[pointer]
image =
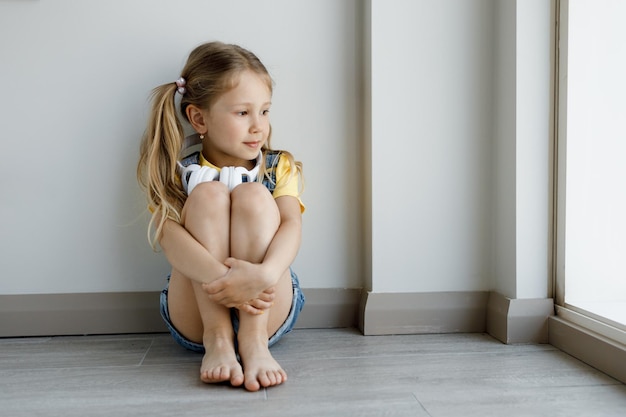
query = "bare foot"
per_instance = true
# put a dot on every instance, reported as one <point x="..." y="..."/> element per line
<point x="260" y="368"/>
<point x="220" y="364"/>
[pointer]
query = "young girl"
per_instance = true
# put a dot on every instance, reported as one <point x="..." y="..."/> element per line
<point x="228" y="217"/>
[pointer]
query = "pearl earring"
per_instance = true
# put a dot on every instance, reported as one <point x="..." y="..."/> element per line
<point x="201" y="136"/>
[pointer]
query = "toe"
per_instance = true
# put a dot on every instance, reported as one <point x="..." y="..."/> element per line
<point x="236" y="379"/>
<point x="264" y="379"/>
<point x="221" y="374"/>
<point x="271" y="377"/>
<point x="205" y="377"/>
<point x="252" y="385"/>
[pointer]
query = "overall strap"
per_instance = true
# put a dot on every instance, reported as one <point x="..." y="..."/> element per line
<point x="271" y="162"/>
<point x="194" y="158"/>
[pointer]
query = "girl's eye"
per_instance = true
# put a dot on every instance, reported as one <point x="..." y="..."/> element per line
<point x="242" y="113"/>
<point x="266" y="112"/>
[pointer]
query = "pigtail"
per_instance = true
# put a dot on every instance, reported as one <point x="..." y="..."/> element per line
<point x="157" y="167"/>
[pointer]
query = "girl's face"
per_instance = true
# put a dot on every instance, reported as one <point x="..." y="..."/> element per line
<point x="238" y="123"/>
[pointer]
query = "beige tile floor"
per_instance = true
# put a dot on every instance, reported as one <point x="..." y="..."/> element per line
<point x="334" y="372"/>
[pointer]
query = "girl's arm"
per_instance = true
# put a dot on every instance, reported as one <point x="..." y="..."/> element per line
<point x="188" y="256"/>
<point x="286" y="243"/>
<point x="237" y="286"/>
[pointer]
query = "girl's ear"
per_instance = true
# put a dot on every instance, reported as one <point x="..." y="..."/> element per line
<point x="195" y="115"/>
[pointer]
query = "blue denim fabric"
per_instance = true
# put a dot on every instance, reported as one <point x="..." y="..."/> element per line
<point x="296" y="307"/>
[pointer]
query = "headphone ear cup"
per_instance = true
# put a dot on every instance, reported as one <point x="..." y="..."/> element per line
<point x="200" y="175"/>
<point x="186" y="174"/>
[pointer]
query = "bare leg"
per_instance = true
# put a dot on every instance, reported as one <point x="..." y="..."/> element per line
<point x="190" y="309"/>
<point x="206" y="216"/>
<point x="254" y="222"/>
<point x="260" y="367"/>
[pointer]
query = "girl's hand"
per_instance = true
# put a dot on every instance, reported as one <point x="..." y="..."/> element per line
<point x="259" y="305"/>
<point x="244" y="282"/>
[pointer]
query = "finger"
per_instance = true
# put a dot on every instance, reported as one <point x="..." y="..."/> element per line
<point x="260" y="304"/>
<point x="216" y="286"/>
<point x="266" y="297"/>
<point x="221" y="299"/>
<point x="270" y="290"/>
<point x="247" y="308"/>
<point x="229" y="304"/>
<point x="211" y="288"/>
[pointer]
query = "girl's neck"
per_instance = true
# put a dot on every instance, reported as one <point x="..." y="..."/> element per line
<point x="224" y="160"/>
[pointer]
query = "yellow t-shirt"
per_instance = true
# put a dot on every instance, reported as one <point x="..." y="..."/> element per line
<point x="285" y="186"/>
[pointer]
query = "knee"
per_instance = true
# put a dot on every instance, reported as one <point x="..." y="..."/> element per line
<point x="251" y="198"/>
<point x="208" y="196"/>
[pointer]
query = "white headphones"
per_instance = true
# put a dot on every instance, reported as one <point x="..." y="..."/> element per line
<point x="194" y="174"/>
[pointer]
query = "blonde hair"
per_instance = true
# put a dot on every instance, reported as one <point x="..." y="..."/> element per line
<point x="211" y="70"/>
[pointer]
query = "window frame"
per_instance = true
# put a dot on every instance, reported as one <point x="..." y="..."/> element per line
<point x="578" y="316"/>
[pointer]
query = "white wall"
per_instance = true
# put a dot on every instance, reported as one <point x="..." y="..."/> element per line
<point x="522" y="144"/>
<point x="76" y="78"/>
<point x="431" y="80"/>
<point x="534" y="141"/>
<point x="504" y="262"/>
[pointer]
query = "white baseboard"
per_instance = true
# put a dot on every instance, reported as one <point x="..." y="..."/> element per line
<point x="330" y="308"/>
<point x="138" y="312"/>
<point x="518" y="320"/>
<point x="82" y="313"/>
<point x="414" y="313"/>
<point x="602" y="353"/>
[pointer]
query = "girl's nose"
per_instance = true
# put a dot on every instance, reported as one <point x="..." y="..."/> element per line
<point x="256" y="125"/>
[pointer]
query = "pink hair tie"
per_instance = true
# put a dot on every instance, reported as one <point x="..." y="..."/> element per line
<point x="181" y="83"/>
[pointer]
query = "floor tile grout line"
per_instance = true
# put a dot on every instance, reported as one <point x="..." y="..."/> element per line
<point x="146" y="354"/>
<point x="420" y="404"/>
